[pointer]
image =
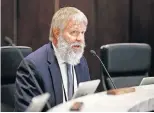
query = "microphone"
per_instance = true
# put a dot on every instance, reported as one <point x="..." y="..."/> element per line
<point x="94" y="53"/>
<point x="8" y="40"/>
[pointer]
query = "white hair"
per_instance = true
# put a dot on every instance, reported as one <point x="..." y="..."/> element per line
<point x="61" y="17"/>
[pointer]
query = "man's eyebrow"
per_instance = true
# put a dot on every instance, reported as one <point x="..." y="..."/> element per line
<point x="74" y="29"/>
<point x="77" y="29"/>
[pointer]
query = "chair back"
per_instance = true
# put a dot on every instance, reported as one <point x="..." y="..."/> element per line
<point x="10" y="60"/>
<point x="127" y="63"/>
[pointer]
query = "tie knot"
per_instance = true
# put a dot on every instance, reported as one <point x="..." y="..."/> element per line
<point x="69" y="66"/>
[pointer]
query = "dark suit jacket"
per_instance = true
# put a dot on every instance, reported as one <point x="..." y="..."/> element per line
<point x="45" y="68"/>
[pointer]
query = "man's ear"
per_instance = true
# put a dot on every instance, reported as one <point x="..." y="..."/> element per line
<point x="56" y="33"/>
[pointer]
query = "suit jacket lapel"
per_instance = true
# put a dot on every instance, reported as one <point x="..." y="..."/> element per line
<point x="55" y="74"/>
<point x="79" y="73"/>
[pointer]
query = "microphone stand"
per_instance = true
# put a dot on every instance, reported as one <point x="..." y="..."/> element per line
<point x="94" y="53"/>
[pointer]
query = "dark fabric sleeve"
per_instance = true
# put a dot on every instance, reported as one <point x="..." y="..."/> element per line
<point x="25" y="86"/>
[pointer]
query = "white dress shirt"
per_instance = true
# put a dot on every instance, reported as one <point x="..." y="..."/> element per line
<point x="63" y="70"/>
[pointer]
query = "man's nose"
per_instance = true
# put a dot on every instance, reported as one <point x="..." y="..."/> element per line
<point x="79" y="37"/>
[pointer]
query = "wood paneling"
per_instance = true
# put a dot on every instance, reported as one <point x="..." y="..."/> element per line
<point x="34" y="22"/>
<point x="143" y="24"/>
<point x="6" y="19"/>
<point x="112" y="21"/>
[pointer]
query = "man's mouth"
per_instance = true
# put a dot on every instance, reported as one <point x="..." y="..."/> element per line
<point x="76" y="46"/>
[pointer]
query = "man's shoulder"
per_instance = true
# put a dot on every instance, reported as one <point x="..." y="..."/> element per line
<point x="40" y="54"/>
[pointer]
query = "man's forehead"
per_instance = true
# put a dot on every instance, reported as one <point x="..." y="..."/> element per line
<point x="74" y="24"/>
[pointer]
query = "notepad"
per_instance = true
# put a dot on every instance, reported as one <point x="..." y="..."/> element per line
<point x="147" y="81"/>
<point x="86" y="88"/>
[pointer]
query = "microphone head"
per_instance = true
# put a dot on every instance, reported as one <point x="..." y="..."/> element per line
<point x="93" y="52"/>
<point x="8" y="40"/>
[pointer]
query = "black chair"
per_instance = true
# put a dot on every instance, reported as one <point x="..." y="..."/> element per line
<point x="127" y="63"/>
<point x="10" y="60"/>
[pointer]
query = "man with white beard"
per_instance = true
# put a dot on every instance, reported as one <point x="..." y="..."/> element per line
<point x="58" y="66"/>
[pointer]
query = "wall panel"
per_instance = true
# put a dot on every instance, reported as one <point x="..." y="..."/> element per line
<point x="143" y="24"/>
<point x="7" y="8"/>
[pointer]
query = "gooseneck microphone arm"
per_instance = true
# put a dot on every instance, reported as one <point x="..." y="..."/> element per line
<point x="8" y="40"/>
<point x="94" y="53"/>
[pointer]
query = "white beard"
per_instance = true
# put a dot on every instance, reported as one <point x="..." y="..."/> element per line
<point x="65" y="51"/>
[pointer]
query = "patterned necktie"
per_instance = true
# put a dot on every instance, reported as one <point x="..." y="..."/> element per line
<point x="70" y="81"/>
